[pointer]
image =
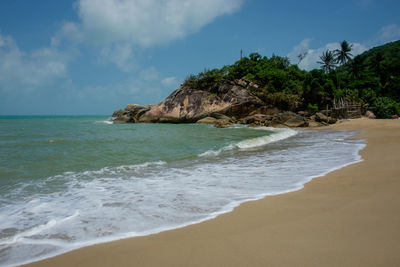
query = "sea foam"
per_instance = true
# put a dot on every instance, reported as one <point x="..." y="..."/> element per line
<point x="277" y="135"/>
<point x="76" y="209"/>
<point x="274" y="135"/>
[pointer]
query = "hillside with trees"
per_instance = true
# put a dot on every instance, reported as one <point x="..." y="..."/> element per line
<point x="371" y="79"/>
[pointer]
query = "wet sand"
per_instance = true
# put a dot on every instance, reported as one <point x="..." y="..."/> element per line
<point x="350" y="217"/>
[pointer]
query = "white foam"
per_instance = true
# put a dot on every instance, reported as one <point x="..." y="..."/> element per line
<point x="104" y="122"/>
<point x="116" y="170"/>
<point x="211" y="153"/>
<point x="147" y="198"/>
<point x="140" y="166"/>
<point x="35" y="230"/>
<point x="274" y="135"/>
<point x="23" y="236"/>
<point x="277" y="135"/>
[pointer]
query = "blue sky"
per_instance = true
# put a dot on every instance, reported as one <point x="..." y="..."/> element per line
<point x="95" y="56"/>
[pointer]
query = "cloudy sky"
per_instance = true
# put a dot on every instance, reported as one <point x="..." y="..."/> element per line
<point x="94" y="56"/>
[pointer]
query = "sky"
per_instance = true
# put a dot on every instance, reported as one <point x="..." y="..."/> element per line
<point x="91" y="57"/>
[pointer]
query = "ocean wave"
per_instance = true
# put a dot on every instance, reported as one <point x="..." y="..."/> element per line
<point x="146" y="198"/>
<point x="103" y="122"/>
<point x="23" y="237"/>
<point x="274" y="135"/>
<point x="118" y="169"/>
<point x="277" y="135"/>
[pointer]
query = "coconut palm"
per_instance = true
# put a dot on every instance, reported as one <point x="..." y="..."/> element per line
<point x="356" y="66"/>
<point x="343" y="54"/>
<point x="327" y="61"/>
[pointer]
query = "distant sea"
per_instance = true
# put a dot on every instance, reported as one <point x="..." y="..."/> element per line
<point x="68" y="182"/>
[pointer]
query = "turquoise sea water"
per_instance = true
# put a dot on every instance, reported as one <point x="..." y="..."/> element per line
<point x="68" y="182"/>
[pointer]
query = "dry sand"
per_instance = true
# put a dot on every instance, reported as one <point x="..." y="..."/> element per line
<point x="350" y="217"/>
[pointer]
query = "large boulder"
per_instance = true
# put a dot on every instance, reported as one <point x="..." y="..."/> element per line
<point x="286" y="119"/>
<point x="320" y="117"/>
<point x="297" y="121"/>
<point x="207" y="120"/>
<point x="256" y="119"/>
<point x="232" y="99"/>
<point x="131" y="113"/>
<point x="280" y="118"/>
<point x="120" y="116"/>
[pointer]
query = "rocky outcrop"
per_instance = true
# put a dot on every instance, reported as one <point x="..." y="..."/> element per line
<point x="296" y="121"/>
<point x="221" y="105"/>
<point x="232" y="99"/>
<point x="256" y="119"/>
<point x="320" y="117"/>
<point x="130" y="114"/>
<point x="217" y="119"/>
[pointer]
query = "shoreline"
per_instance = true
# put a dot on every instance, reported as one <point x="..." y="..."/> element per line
<point x="236" y="235"/>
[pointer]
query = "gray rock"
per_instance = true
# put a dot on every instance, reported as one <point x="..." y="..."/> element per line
<point x="297" y="121"/>
<point x="281" y="118"/>
<point x="131" y="113"/>
<point x="257" y="119"/>
<point x="220" y="116"/>
<point x="370" y="115"/>
<point x="207" y="120"/>
<point x="222" y="124"/>
<point x="190" y="105"/>
<point x="321" y="117"/>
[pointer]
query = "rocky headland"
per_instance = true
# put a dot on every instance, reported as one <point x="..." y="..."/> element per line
<point x="221" y="105"/>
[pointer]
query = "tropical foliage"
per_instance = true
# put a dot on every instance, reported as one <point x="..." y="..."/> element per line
<point x="371" y="79"/>
<point x="343" y="54"/>
<point x="328" y="61"/>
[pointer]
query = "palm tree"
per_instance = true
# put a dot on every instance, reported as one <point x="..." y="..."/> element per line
<point x="356" y="66"/>
<point x="343" y="54"/>
<point x="327" y="61"/>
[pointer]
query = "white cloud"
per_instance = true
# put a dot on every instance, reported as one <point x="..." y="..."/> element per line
<point x="148" y="22"/>
<point x="387" y="34"/>
<point x="119" y="54"/>
<point x="118" y="27"/>
<point x="170" y="82"/>
<point x="29" y="70"/>
<point x="313" y="55"/>
<point x="69" y="31"/>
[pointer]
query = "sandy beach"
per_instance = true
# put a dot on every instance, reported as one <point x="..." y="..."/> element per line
<point x="350" y="217"/>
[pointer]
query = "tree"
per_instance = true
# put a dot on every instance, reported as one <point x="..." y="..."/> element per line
<point x="343" y="54"/>
<point x="255" y="57"/>
<point x="327" y="61"/>
<point x="385" y="107"/>
<point x="302" y="56"/>
<point x="356" y="66"/>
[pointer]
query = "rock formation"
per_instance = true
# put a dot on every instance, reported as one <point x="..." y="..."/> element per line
<point x="131" y="113"/>
<point x="222" y="105"/>
<point x="189" y="105"/>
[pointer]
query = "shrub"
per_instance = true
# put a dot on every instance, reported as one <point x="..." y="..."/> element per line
<point x="312" y="108"/>
<point x="282" y="100"/>
<point x="385" y="107"/>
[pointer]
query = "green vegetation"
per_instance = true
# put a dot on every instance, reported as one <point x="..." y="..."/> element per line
<point x="371" y="79"/>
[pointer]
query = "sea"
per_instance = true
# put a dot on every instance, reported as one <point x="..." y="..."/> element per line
<point x="72" y="181"/>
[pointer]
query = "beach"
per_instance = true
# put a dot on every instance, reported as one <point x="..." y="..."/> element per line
<point x="350" y="217"/>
